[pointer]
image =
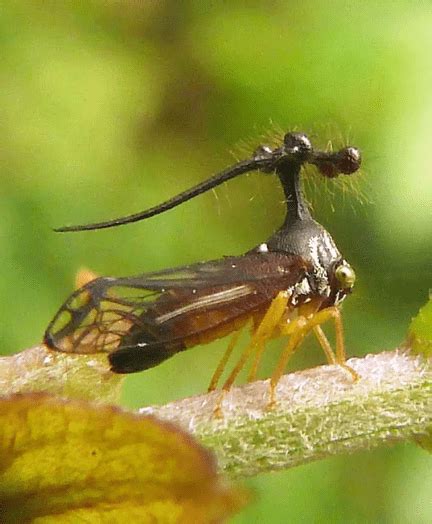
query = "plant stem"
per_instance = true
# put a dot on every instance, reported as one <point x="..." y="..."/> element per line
<point x="320" y="412"/>
<point x="69" y="375"/>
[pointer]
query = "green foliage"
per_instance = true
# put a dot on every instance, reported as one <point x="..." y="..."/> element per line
<point x="420" y="331"/>
<point x="110" y="107"/>
<point x="420" y="342"/>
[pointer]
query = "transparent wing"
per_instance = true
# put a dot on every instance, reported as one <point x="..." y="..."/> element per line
<point x="169" y="305"/>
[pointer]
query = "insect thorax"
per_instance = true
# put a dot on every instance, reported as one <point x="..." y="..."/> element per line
<point x="308" y="239"/>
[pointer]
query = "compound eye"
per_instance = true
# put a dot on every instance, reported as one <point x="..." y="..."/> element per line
<point x="345" y="275"/>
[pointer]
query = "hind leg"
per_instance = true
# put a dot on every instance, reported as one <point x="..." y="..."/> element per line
<point x="262" y="334"/>
<point x="223" y="362"/>
<point x="264" y="331"/>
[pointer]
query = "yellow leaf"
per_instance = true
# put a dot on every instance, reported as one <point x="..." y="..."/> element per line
<point x="70" y="461"/>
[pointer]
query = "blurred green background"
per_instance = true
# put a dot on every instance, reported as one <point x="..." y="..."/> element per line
<point x="110" y="107"/>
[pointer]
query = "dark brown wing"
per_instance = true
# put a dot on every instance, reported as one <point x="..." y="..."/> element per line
<point x="164" y="308"/>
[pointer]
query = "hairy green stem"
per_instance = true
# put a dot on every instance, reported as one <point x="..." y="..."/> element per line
<point x="320" y="412"/>
<point x="85" y="377"/>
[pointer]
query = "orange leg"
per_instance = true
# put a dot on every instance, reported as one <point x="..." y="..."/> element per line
<point x="256" y="361"/>
<point x="298" y="329"/>
<point x="340" y="358"/>
<point x="297" y="334"/>
<point x="260" y="347"/>
<point x="325" y="344"/>
<point x="264" y="331"/>
<point x="262" y="334"/>
<point x="223" y="362"/>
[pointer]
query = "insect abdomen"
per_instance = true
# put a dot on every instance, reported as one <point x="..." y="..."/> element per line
<point x="214" y="333"/>
<point x="170" y="327"/>
<point x="141" y="352"/>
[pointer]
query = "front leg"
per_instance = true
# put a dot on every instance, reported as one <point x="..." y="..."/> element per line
<point x="298" y="329"/>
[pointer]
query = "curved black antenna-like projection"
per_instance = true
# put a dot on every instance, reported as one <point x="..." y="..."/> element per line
<point x="296" y="149"/>
<point x="225" y="175"/>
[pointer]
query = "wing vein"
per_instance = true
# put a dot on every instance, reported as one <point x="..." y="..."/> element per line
<point x="219" y="298"/>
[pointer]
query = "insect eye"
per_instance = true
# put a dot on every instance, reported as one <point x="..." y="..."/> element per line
<point x="345" y="275"/>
